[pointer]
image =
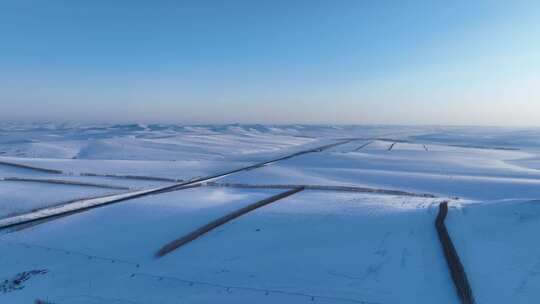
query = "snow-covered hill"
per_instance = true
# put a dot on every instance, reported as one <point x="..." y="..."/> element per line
<point x="362" y="231"/>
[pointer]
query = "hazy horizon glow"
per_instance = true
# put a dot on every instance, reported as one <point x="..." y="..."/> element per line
<point x="350" y="62"/>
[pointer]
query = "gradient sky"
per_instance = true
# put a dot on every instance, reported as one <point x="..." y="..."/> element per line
<point x="274" y="61"/>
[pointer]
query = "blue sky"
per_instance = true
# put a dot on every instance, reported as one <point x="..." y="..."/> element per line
<point x="253" y="61"/>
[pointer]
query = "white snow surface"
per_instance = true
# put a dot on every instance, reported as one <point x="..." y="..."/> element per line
<point x="311" y="247"/>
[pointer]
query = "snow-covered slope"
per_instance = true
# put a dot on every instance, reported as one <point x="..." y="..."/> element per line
<point x="362" y="244"/>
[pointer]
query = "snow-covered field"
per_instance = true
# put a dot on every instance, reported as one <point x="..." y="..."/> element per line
<point x="363" y="243"/>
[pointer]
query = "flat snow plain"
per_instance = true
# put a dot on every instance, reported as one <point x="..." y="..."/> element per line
<point x="316" y="246"/>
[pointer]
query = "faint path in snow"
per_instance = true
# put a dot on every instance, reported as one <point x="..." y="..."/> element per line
<point x="70" y="252"/>
<point x="533" y="272"/>
<point x="100" y="299"/>
<point x="62" y="182"/>
<point x="56" y="171"/>
<point x="322" y="188"/>
<point x="135" y="177"/>
<point x="263" y="291"/>
<point x="23" y="166"/>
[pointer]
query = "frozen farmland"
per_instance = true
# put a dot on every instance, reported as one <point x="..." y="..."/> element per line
<point x="268" y="214"/>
